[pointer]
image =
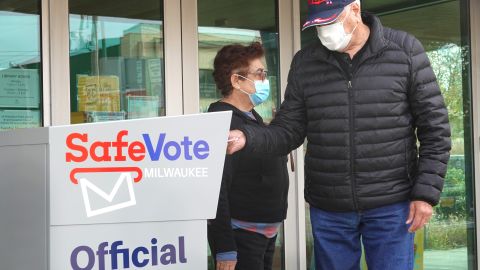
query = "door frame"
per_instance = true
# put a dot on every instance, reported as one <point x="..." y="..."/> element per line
<point x="475" y="71"/>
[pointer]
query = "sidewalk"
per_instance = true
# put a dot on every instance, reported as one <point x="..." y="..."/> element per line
<point x="453" y="259"/>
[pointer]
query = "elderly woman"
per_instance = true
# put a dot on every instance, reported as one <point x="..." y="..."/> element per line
<point x="253" y="197"/>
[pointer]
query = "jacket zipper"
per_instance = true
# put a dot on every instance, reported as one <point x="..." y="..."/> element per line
<point x="407" y="159"/>
<point x="352" y="148"/>
<point x="349" y="77"/>
<point x="352" y="126"/>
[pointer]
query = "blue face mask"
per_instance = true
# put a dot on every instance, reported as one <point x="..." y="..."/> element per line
<point x="262" y="91"/>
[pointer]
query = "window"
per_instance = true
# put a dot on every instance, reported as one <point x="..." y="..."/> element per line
<point x="219" y="26"/>
<point x="116" y="60"/>
<point x="20" y="65"/>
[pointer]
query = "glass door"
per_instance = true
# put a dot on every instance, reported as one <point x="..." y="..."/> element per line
<point x="447" y="242"/>
<point x="222" y="23"/>
<point x="116" y="60"/>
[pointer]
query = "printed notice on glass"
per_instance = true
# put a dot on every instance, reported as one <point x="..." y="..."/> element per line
<point x="19" y="88"/>
<point x="142" y="106"/>
<point x="93" y="117"/>
<point x="12" y="119"/>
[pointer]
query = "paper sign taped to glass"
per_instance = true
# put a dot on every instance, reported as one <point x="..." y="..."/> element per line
<point x="20" y="88"/>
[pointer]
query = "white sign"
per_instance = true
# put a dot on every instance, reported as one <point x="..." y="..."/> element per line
<point x="144" y="170"/>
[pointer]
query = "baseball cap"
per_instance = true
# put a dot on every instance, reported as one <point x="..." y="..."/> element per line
<point x="321" y="12"/>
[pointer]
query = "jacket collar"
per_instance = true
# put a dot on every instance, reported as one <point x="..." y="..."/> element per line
<point x="376" y="41"/>
<point x="227" y="106"/>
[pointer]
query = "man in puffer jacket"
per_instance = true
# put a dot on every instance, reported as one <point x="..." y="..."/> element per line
<point x="362" y="96"/>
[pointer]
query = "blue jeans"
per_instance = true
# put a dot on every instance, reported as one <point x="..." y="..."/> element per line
<point x="388" y="244"/>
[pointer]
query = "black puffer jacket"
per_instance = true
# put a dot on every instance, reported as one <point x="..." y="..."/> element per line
<point x="362" y="127"/>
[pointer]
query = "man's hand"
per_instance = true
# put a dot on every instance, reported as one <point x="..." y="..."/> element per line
<point x="226" y="265"/>
<point x="420" y="214"/>
<point x="236" y="141"/>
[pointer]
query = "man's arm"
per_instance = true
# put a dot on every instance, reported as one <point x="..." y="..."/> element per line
<point x="433" y="129"/>
<point x="285" y="133"/>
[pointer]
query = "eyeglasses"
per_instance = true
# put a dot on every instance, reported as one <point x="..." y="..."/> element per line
<point x="260" y="73"/>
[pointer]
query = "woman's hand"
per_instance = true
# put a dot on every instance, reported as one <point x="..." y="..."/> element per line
<point x="226" y="265"/>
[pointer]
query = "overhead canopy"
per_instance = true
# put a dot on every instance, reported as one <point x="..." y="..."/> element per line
<point x="143" y="9"/>
<point x="430" y="20"/>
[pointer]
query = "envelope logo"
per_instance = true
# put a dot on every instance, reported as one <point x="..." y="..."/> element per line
<point x="124" y="184"/>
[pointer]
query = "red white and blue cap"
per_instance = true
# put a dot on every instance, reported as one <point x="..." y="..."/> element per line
<point x="321" y="12"/>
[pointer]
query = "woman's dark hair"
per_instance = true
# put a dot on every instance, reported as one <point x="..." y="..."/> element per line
<point x="233" y="59"/>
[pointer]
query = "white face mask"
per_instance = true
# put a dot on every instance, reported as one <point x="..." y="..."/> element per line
<point x="334" y="37"/>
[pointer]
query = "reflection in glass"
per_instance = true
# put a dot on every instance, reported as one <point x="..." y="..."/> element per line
<point x="239" y="22"/>
<point x="20" y="65"/>
<point x="447" y="242"/>
<point x="116" y="60"/>
<point x="219" y="26"/>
